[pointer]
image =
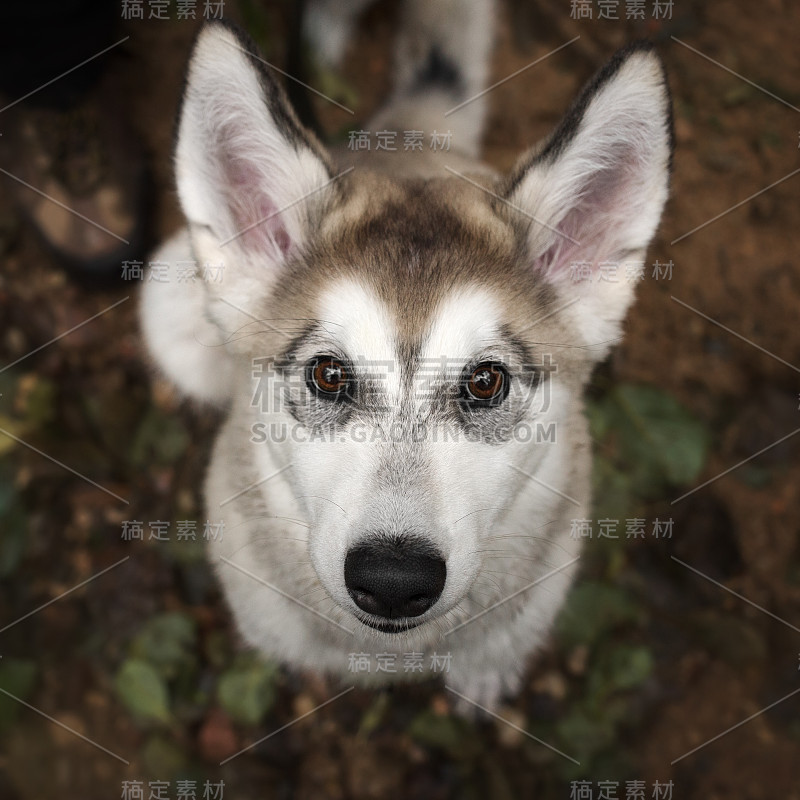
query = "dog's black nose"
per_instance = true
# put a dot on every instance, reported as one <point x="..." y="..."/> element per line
<point x="394" y="579"/>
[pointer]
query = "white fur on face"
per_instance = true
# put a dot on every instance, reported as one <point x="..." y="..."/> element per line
<point x="448" y="490"/>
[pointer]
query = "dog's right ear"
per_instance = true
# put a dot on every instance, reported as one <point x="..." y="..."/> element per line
<point x="248" y="174"/>
<point x="253" y="184"/>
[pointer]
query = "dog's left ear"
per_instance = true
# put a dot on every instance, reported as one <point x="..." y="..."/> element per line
<point x="593" y="195"/>
<point x="248" y="173"/>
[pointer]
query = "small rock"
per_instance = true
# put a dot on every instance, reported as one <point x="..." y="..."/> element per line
<point x="552" y="683"/>
<point x="578" y="659"/>
<point x="440" y="705"/>
<point x="217" y="738"/>
<point x="15" y="341"/>
<point x="507" y="735"/>
<point x="62" y="737"/>
<point x="303" y="704"/>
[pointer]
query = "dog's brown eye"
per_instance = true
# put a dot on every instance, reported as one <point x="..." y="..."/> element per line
<point x="326" y="375"/>
<point x="487" y="384"/>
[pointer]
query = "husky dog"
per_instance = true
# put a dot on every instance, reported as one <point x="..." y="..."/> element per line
<point x="389" y="331"/>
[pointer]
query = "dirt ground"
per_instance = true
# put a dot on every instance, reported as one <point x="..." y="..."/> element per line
<point x="681" y="642"/>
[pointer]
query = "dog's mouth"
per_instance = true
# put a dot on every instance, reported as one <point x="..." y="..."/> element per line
<point x="391" y="626"/>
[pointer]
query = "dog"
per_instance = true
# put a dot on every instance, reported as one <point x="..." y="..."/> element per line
<point x="401" y="345"/>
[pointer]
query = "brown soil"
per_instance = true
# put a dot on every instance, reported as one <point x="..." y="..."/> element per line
<point x="733" y="140"/>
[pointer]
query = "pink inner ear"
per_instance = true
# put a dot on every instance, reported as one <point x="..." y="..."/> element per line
<point x="598" y="222"/>
<point x="253" y="211"/>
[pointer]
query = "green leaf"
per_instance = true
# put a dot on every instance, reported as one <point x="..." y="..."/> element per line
<point x="599" y="416"/>
<point x="754" y="475"/>
<point x="585" y="735"/>
<point x="163" y="757"/>
<point x="143" y="690"/>
<point x="40" y="403"/>
<point x="435" y="730"/>
<point x="662" y="432"/>
<point x="247" y="690"/>
<point x="166" y="641"/>
<point x="217" y="649"/>
<point x="374" y="715"/>
<point x="8" y="391"/>
<point x="160" y="438"/>
<point x="592" y="610"/>
<point x="17" y="677"/>
<point x="12" y="542"/>
<point x="650" y="437"/>
<point x="8" y="495"/>
<point x="13" y="426"/>
<point x="619" y="668"/>
<point x="630" y="666"/>
<point x="612" y="491"/>
<point x="14" y="528"/>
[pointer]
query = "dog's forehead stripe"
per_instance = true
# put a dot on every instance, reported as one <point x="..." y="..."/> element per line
<point x="462" y="325"/>
<point x="363" y="326"/>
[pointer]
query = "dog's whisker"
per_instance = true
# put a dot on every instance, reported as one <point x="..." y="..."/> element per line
<point x="270" y="321"/>
<point x="478" y="603"/>
<point x="270" y="516"/>
<point x="239" y="549"/>
<point x="480" y="592"/>
<point x="326" y="499"/>
<point x="550" y="542"/>
<point x="504" y="573"/>
<point x="233" y="337"/>
<point x="504" y="553"/>
<point x="485" y="584"/>
<point x="515" y="557"/>
<point x="500" y="556"/>
<point x="293" y="563"/>
<point x="310" y="592"/>
<point x="479" y="510"/>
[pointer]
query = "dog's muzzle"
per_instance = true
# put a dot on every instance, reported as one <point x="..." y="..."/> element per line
<point x="394" y="579"/>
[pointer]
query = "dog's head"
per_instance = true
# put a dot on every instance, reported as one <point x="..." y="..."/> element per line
<point x="412" y="353"/>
